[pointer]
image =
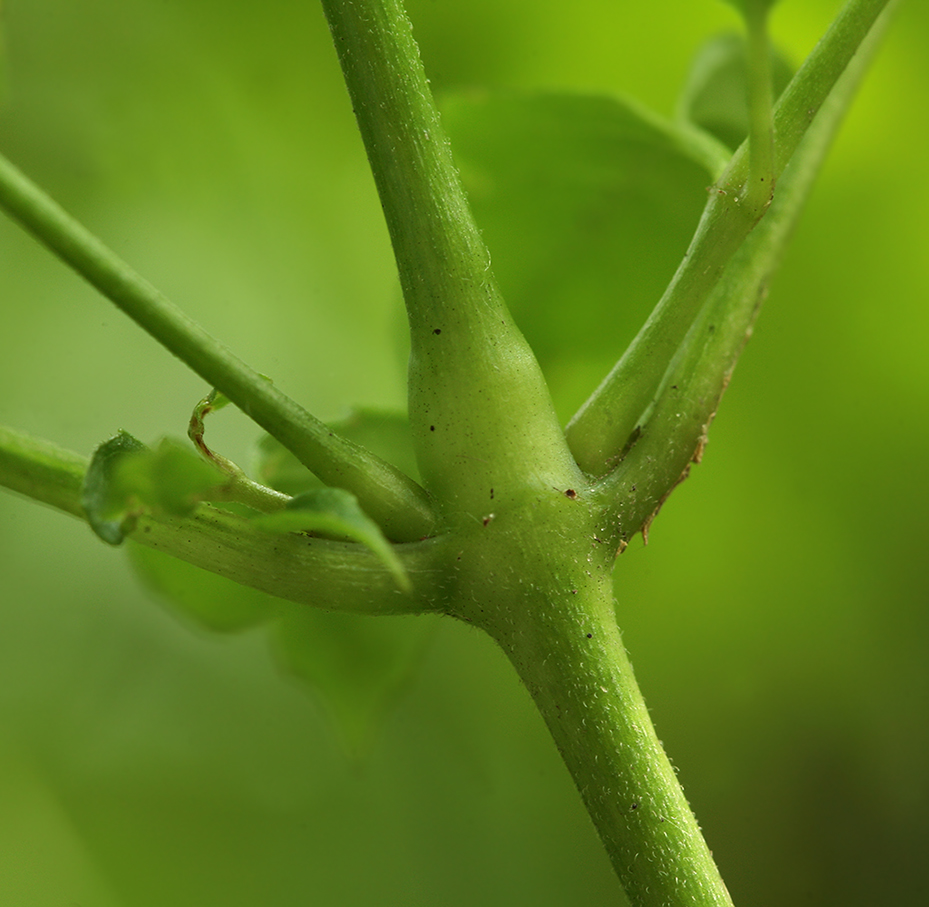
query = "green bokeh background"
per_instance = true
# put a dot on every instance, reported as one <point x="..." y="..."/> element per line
<point x="778" y="619"/>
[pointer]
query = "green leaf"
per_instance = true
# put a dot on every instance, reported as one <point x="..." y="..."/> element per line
<point x="169" y="479"/>
<point x="588" y="204"/>
<point x="334" y="513"/>
<point x="109" y="508"/>
<point x="126" y="479"/>
<point x="715" y="96"/>
<point x="384" y="433"/>
<point x="212" y="601"/>
<point x="357" y="665"/>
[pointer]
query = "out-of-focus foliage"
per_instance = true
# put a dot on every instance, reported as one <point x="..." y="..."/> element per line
<point x="587" y="204"/>
<point x="777" y="620"/>
<point x="752" y="7"/>
<point x="126" y="479"/>
<point x="715" y="96"/>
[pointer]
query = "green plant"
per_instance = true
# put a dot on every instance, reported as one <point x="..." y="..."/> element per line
<point x="519" y="514"/>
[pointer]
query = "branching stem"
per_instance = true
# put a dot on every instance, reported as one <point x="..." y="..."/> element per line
<point x="480" y="411"/>
<point x="391" y="498"/>
<point x="312" y="571"/>
<point x="601" y="428"/>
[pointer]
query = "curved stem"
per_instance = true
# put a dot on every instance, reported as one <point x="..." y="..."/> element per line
<point x="394" y="500"/>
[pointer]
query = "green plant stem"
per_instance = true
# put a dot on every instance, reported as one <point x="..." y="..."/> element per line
<point x="539" y="581"/>
<point x="240" y="489"/>
<point x="42" y="471"/>
<point x="675" y="431"/>
<point x="312" y="571"/>
<point x="803" y="98"/>
<point x="480" y="410"/>
<point x="599" y="431"/>
<point x="577" y="671"/>
<point x="394" y="500"/>
<point x="603" y="426"/>
<point x="760" y="188"/>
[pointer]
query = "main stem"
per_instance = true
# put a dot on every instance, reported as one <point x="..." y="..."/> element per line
<point x="581" y="680"/>
<point x="480" y="411"/>
<point x="487" y="439"/>
<point x="539" y="581"/>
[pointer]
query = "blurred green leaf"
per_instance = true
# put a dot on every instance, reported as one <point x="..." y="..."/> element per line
<point x="355" y="666"/>
<point x="384" y="433"/>
<point x="715" y="96"/>
<point x="335" y="513"/>
<point x="171" y="478"/>
<point x="212" y="601"/>
<point x="358" y="665"/>
<point x="587" y="205"/>
<point x="108" y="507"/>
<point x="126" y="479"/>
<point x="752" y="7"/>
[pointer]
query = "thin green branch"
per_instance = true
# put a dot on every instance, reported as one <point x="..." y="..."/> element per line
<point x="311" y="571"/>
<point x="42" y="471"/>
<point x="760" y="188"/>
<point x="809" y="89"/>
<point x="603" y="426"/>
<point x="394" y="500"/>
<point x="480" y="410"/>
<point x="675" y="431"/>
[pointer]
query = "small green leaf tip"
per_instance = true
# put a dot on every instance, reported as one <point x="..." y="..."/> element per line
<point x="107" y="509"/>
<point x="171" y="478"/>
<point x="335" y="513"/>
<point x="127" y="479"/>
